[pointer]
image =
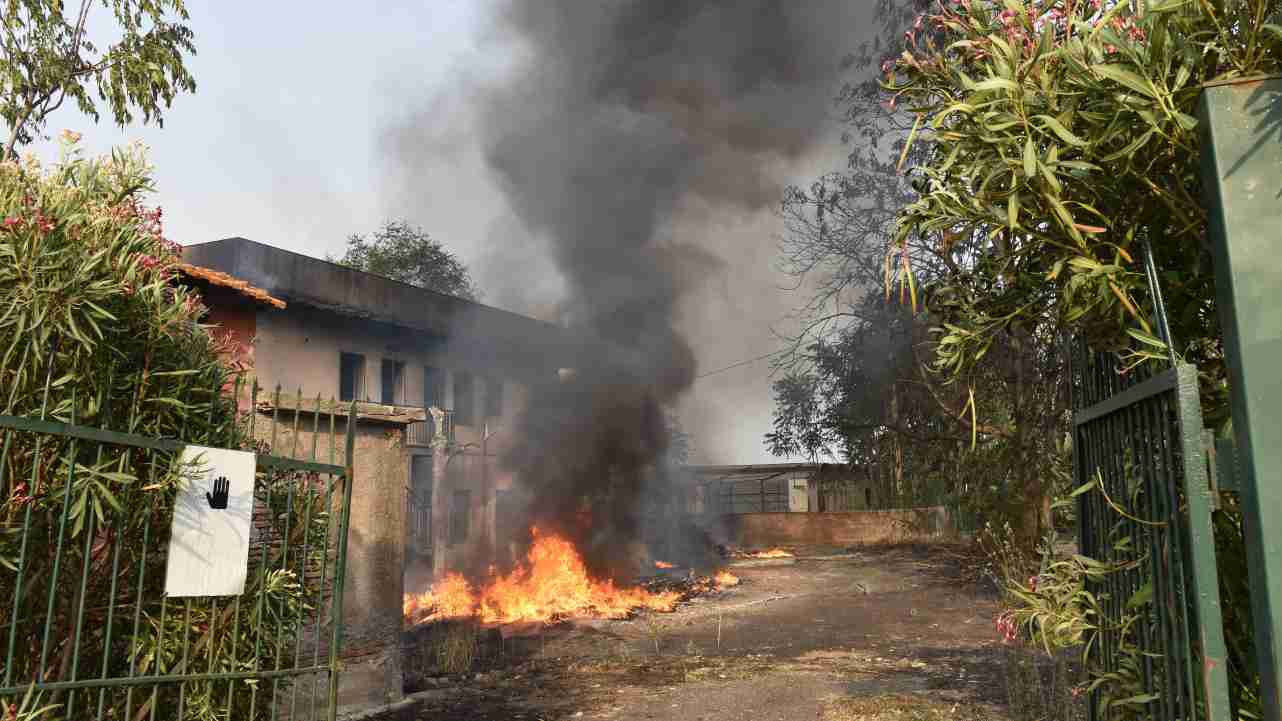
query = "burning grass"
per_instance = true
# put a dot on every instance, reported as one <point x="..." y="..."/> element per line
<point x="552" y="584"/>
<point x="772" y="553"/>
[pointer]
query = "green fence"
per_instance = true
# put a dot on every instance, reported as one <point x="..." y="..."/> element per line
<point x="1138" y="437"/>
<point x="85" y="626"/>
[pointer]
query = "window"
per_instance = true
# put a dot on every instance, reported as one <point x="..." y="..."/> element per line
<point x="493" y="398"/>
<point x="460" y="514"/>
<point x="433" y="388"/>
<point x="393" y="372"/>
<point x="464" y="398"/>
<point x="867" y="498"/>
<point x="420" y="505"/>
<point x="351" y="377"/>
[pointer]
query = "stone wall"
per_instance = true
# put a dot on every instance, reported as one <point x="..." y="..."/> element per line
<point x="839" y="529"/>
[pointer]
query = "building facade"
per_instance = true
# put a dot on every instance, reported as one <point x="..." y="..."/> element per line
<point x="438" y="381"/>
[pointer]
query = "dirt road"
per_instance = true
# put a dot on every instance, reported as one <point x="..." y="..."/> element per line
<point x="889" y="634"/>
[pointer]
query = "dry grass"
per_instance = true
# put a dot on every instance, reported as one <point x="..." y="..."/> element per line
<point x="904" y="707"/>
<point x="456" y="651"/>
<point x="1040" y="687"/>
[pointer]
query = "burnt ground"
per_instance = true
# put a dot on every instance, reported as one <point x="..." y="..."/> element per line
<point x="888" y="634"/>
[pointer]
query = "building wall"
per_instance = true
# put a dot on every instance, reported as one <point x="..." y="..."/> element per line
<point x="300" y="347"/>
<point x="839" y="529"/>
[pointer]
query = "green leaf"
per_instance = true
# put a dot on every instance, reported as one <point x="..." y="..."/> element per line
<point x="1084" y="488"/>
<point x="995" y="83"/>
<point x="1061" y="131"/>
<point x="1142" y="595"/>
<point x="1145" y="338"/>
<point x="1130" y="148"/>
<point x="1137" y="700"/>
<point x="1122" y="76"/>
<point x="1012" y="211"/>
<point x="1030" y="158"/>
<point x="909" y="143"/>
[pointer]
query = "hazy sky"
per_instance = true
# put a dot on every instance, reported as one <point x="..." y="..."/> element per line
<point x="287" y="141"/>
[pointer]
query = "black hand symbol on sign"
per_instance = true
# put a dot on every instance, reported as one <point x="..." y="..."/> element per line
<point x="222" y="487"/>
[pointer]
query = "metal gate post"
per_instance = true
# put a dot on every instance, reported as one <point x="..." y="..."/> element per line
<point x="1242" y="182"/>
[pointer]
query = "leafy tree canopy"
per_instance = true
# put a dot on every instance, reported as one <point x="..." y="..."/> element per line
<point x="49" y="58"/>
<point x="1061" y="142"/>
<point x="406" y="253"/>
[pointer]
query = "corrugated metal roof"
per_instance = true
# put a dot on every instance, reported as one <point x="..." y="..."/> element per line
<point x="224" y="280"/>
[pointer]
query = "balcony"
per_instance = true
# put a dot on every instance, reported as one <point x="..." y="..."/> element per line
<point x="421" y="434"/>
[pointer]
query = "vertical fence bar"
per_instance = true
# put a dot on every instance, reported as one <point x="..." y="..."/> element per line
<point x="229" y="441"/>
<point x="142" y="582"/>
<point x="302" y="575"/>
<point x="62" y="532"/>
<point x="284" y="551"/>
<point x="329" y="529"/>
<point x="340" y="573"/>
<point x="1177" y="603"/>
<point x="26" y="524"/>
<point x="1205" y="587"/>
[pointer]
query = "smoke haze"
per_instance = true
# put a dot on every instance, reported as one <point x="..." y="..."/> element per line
<point x="635" y="139"/>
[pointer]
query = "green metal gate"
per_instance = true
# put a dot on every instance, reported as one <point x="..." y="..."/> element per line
<point x="85" y="628"/>
<point x="1138" y="436"/>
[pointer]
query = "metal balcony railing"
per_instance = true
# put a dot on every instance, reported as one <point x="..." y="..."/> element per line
<point x="421" y="434"/>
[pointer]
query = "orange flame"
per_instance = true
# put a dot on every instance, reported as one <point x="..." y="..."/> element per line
<point x="772" y="553"/>
<point x="663" y="564"/>
<point x="725" y="579"/>
<point x="553" y="583"/>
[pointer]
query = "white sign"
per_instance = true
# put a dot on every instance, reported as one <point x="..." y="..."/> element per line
<point x="209" y="537"/>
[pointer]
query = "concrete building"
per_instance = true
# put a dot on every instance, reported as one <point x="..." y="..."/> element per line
<point x="805" y="504"/>
<point x="318" y="328"/>
<point x="780" y="488"/>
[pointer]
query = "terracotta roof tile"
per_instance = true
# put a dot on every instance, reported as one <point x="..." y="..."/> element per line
<point x="214" y="277"/>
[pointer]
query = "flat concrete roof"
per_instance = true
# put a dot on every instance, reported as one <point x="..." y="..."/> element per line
<point x="302" y="280"/>
<point x="759" y="471"/>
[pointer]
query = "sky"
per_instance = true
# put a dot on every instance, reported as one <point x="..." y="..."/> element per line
<point x="291" y="139"/>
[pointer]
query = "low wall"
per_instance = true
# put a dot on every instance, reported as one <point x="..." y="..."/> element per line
<point x="840" y="529"/>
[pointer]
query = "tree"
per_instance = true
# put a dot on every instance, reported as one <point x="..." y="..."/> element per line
<point x="1063" y="149"/>
<point x="96" y="331"/>
<point x="408" y="254"/>
<point x="855" y="386"/>
<point x="48" y="58"/>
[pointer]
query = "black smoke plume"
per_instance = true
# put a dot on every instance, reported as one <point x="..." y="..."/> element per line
<point x="623" y="113"/>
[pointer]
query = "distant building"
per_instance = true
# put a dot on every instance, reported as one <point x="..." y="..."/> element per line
<point x="780" y="488"/>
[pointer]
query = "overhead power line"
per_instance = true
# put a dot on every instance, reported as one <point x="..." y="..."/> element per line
<point x="736" y="365"/>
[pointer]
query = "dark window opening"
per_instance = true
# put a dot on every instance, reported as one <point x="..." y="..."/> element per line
<point x="433" y="388"/>
<point x="460" y="514"/>
<point x="351" y="377"/>
<point x="393" y="374"/>
<point x="420" y="502"/>
<point x="868" y="498"/>
<point x="493" y="398"/>
<point x="464" y="398"/>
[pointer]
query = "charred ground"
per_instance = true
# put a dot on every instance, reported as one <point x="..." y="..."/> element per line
<point x="898" y="628"/>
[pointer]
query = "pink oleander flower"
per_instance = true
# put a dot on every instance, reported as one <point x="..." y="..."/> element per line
<point x="12" y="222"/>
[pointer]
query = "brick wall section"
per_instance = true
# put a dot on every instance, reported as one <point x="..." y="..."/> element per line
<point x="840" y="529"/>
